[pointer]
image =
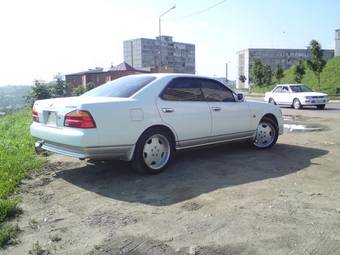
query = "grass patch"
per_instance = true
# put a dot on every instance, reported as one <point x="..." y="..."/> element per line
<point x="264" y="89"/>
<point x="330" y="77"/>
<point x="7" y="232"/>
<point x="17" y="158"/>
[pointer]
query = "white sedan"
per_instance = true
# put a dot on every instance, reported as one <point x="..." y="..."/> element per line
<point x="145" y="118"/>
<point x="297" y="96"/>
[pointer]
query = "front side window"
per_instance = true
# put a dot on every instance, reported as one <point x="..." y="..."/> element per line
<point x="216" y="92"/>
<point x="122" y="87"/>
<point x="277" y="89"/>
<point x="183" y="89"/>
<point x="285" y="90"/>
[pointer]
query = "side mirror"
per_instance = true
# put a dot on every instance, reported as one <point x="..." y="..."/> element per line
<point x="240" y="97"/>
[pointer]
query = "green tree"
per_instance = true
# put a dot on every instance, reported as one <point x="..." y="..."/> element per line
<point x="316" y="64"/>
<point x="90" y="85"/>
<point x="299" y="71"/>
<point x="242" y="78"/>
<point x="59" y="87"/>
<point x="279" y="74"/>
<point x="78" y="91"/>
<point x="267" y="75"/>
<point x="257" y="73"/>
<point x="40" y="90"/>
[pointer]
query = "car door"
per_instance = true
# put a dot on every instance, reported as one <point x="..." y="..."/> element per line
<point x="182" y="107"/>
<point x="285" y="95"/>
<point x="229" y="116"/>
<point x="276" y="94"/>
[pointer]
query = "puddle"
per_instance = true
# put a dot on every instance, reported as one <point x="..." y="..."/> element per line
<point x="298" y="123"/>
<point x="303" y="127"/>
<point x="299" y="118"/>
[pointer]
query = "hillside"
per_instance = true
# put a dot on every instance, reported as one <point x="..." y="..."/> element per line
<point x="330" y="78"/>
<point x="13" y="97"/>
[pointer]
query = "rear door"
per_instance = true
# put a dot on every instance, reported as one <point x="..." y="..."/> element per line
<point x="182" y="106"/>
<point x="229" y="117"/>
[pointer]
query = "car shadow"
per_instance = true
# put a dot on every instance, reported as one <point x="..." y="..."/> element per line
<point x="192" y="173"/>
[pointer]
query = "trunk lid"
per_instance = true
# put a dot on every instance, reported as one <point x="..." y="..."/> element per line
<point x="52" y="111"/>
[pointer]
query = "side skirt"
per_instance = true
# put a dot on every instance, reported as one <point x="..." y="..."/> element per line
<point x="204" y="141"/>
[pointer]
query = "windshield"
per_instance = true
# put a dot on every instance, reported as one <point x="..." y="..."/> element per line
<point x="122" y="87"/>
<point x="300" y="88"/>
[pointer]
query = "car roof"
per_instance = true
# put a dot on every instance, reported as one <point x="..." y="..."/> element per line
<point x="290" y="84"/>
<point x="175" y="75"/>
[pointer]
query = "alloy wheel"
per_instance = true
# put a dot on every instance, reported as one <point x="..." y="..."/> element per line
<point x="156" y="151"/>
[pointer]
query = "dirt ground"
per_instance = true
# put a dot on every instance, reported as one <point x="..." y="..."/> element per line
<point x="224" y="200"/>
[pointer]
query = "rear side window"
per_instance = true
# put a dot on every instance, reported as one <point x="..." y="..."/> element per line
<point x="183" y="89"/>
<point x="216" y="92"/>
<point x="122" y="87"/>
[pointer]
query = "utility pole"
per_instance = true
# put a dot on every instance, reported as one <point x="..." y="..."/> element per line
<point x="160" y="34"/>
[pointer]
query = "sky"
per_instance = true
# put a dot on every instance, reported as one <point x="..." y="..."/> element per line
<point x="40" y="38"/>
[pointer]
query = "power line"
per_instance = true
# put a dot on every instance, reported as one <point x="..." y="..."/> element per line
<point x="205" y="9"/>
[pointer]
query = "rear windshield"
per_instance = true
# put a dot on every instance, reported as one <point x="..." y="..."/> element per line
<point x="122" y="87"/>
<point x="300" y="88"/>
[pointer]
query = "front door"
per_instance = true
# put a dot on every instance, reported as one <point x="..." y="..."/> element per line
<point x="182" y="107"/>
<point x="230" y="118"/>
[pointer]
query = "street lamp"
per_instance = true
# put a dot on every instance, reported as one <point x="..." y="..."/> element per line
<point x="160" y="33"/>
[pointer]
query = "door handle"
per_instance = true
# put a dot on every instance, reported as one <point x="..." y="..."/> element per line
<point x="167" y="110"/>
<point x="216" y="109"/>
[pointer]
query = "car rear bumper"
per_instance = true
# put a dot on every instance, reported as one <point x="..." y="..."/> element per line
<point x="122" y="152"/>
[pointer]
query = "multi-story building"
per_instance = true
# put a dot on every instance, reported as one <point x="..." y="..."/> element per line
<point x="284" y="58"/>
<point x="337" y="43"/>
<point x="162" y="53"/>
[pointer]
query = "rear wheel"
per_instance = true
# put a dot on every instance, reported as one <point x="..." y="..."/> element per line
<point x="271" y="101"/>
<point x="153" y="151"/>
<point x="321" y="106"/>
<point x="297" y="104"/>
<point x="267" y="133"/>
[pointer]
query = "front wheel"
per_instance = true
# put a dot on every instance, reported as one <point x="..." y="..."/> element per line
<point x="267" y="133"/>
<point x="153" y="151"/>
<point x="321" y="106"/>
<point x="297" y="104"/>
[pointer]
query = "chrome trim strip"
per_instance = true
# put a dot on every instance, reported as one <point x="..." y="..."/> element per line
<point x="123" y="152"/>
<point x="184" y="144"/>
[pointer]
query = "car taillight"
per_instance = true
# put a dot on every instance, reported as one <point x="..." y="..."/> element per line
<point x="79" y="119"/>
<point x="35" y="116"/>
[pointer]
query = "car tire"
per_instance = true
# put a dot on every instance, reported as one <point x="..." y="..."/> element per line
<point x="153" y="152"/>
<point x="320" y="106"/>
<point x="267" y="133"/>
<point x="271" y="101"/>
<point x="297" y="104"/>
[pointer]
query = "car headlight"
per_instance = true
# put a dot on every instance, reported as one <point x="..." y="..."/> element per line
<point x="308" y="98"/>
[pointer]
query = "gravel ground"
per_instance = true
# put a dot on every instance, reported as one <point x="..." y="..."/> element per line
<point x="229" y="199"/>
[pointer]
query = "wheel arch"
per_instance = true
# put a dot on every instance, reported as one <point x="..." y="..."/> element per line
<point x="163" y="127"/>
<point x="271" y="117"/>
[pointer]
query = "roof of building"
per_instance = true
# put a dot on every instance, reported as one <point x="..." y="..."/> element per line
<point x="96" y="70"/>
<point x="123" y="67"/>
<point x="278" y="49"/>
